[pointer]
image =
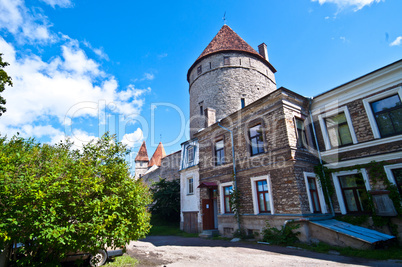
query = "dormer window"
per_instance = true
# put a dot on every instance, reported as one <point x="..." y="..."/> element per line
<point x="190" y="154"/>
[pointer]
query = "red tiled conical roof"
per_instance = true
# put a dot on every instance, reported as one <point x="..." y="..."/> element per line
<point x="157" y="156"/>
<point x="142" y="153"/>
<point x="227" y="40"/>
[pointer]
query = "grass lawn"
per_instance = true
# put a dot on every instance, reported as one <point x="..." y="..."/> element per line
<point x="122" y="261"/>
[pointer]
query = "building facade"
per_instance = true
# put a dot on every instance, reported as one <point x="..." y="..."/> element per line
<point x="264" y="143"/>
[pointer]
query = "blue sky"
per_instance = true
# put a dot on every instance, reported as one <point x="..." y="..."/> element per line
<point x="81" y="68"/>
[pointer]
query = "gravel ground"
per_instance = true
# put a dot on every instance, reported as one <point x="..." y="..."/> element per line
<point x="182" y="251"/>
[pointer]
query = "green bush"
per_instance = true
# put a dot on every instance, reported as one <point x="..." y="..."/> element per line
<point x="166" y="206"/>
<point x="285" y="236"/>
<point x="55" y="200"/>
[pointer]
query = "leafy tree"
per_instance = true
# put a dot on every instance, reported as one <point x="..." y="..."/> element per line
<point x="166" y="195"/>
<point x="4" y="80"/>
<point x="57" y="200"/>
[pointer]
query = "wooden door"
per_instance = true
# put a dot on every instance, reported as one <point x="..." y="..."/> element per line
<point x="208" y="214"/>
<point x="190" y="223"/>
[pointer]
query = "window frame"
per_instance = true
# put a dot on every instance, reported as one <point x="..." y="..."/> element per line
<point x="390" y="175"/>
<point x="369" y="111"/>
<point x="222" y="157"/>
<point x="255" y="136"/>
<point x="190" y="192"/>
<point x="222" y="186"/>
<point x="226" y="60"/>
<point x="320" y="192"/>
<point x="190" y="151"/>
<point x="298" y="144"/>
<point x="324" y="129"/>
<point x="339" y="191"/>
<point x="242" y="102"/>
<point x="254" y="193"/>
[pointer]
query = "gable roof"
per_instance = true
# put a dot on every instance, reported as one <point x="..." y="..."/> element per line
<point x="227" y="40"/>
<point x="142" y="153"/>
<point x="157" y="156"/>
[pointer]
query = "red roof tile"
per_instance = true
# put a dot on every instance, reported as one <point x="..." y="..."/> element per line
<point x="157" y="156"/>
<point x="142" y="153"/>
<point x="227" y="40"/>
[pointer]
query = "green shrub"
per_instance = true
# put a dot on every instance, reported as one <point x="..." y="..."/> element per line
<point x="284" y="236"/>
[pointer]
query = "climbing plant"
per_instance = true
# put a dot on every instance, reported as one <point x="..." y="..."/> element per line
<point x="377" y="174"/>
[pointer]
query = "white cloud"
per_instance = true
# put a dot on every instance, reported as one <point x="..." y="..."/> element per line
<point x="148" y="76"/>
<point x="69" y="85"/>
<point x="397" y="41"/>
<point x="356" y="4"/>
<point x="60" y="3"/>
<point x="78" y="137"/>
<point x="26" y="24"/>
<point x="133" y="139"/>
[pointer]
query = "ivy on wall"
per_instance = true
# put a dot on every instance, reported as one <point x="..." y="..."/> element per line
<point x="377" y="175"/>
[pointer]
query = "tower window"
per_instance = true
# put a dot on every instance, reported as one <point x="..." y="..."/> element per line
<point x="210" y="65"/>
<point x="201" y="111"/>
<point x="243" y="102"/>
<point x="240" y="61"/>
<point x="199" y="70"/>
<point x="226" y="60"/>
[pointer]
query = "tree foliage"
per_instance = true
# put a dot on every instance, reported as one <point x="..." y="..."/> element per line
<point x="56" y="200"/>
<point x="166" y="195"/>
<point x="4" y="80"/>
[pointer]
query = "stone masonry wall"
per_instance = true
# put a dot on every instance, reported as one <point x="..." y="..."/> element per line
<point x="286" y="174"/>
<point x="222" y="86"/>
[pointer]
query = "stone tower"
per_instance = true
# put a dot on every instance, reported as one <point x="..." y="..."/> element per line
<point x="141" y="161"/>
<point x="228" y="75"/>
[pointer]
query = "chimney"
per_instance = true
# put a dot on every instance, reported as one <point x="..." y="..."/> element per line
<point x="210" y="116"/>
<point x="262" y="50"/>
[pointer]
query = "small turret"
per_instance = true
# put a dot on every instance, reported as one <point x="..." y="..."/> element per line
<point x="141" y="161"/>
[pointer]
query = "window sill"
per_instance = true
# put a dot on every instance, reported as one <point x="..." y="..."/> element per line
<point x="191" y="194"/>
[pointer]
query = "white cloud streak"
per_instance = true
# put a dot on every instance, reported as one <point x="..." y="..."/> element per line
<point x="355" y="4"/>
<point x="60" y="3"/>
<point x="26" y="24"/>
<point x="397" y="41"/>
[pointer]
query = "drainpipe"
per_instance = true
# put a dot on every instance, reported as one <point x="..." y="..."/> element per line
<point x="319" y="154"/>
<point x="234" y="166"/>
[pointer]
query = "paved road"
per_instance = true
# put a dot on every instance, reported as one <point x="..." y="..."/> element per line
<point x="182" y="251"/>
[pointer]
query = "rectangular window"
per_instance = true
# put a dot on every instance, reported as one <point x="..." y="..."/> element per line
<point x="312" y="188"/>
<point x="201" y="111"/>
<point x="210" y="65"/>
<point x="190" y="154"/>
<point x="263" y="196"/>
<point x="311" y="130"/>
<point x="199" y="70"/>
<point x="388" y="115"/>
<point x="338" y="130"/>
<point x="243" y="102"/>
<point x="226" y="61"/>
<point x="219" y="153"/>
<point x="397" y="173"/>
<point x="301" y="133"/>
<point x="256" y="140"/>
<point x="190" y="183"/>
<point x="354" y="193"/>
<point x="227" y="190"/>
